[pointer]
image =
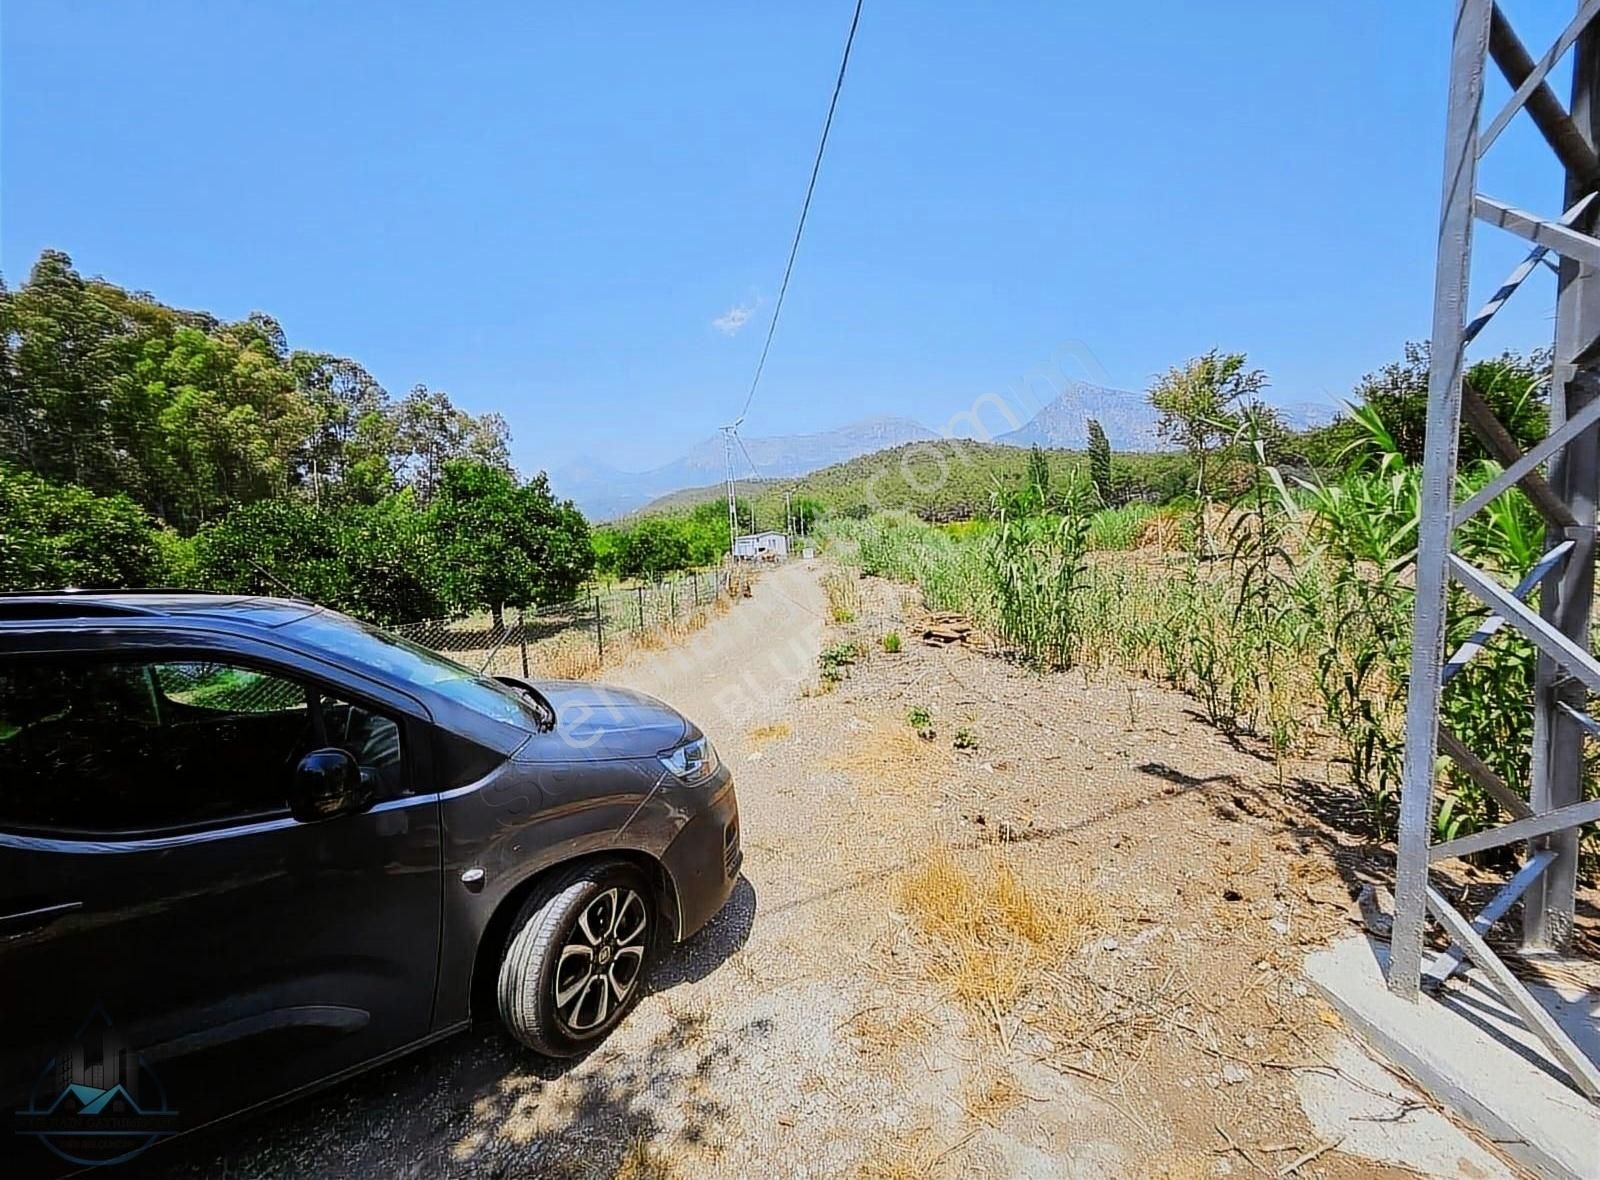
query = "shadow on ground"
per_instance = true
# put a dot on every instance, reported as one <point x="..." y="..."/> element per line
<point x="480" y="1105"/>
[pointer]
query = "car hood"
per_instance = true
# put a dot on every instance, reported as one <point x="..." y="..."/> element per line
<point x="595" y="722"/>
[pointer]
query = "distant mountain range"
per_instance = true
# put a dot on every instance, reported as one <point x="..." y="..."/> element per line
<point x="1128" y="420"/>
<point x="605" y="492"/>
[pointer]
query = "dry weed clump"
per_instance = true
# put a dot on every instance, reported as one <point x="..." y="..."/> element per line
<point x="643" y="1160"/>
<point x="990" y="1095"/>
<point x="888" y="755"/>
<point x="1163" y="530"/>
<point x="760" y="735"/>
<point x="575" y="656"/>
<point x="881" y="1033"/>
<point x="571" y="657"/>
<point x="992" y="932"/>
<point x="844" y="596"/>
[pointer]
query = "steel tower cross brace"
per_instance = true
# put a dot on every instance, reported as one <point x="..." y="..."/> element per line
<point x="1546" y="824"/>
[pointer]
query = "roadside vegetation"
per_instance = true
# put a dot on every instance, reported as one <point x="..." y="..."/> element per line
<point x="1279" y="599"/>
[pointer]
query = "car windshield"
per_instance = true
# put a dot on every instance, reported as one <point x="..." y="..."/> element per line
<point x="411" y="663"/>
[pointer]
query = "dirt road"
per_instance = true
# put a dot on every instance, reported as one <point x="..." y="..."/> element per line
<point x="814" y="1029"/>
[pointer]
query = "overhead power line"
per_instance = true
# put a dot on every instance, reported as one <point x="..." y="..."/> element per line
<point x="754" y="472"/>
<point x="794" y="248"/>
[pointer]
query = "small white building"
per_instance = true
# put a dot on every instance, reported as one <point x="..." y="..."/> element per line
<point x="769" y="546"/>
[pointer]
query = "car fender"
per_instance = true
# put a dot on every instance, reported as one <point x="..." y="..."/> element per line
<point x="502" y="834"/>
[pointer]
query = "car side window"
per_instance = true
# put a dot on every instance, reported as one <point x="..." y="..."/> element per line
<point x="207" y="689"/>
<point x="370" y="737"/>
<point x="107" y="746"/>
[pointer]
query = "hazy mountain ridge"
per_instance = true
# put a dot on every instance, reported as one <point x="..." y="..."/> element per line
<point x="603" y="491"/>
<point x="1128" y="420"/>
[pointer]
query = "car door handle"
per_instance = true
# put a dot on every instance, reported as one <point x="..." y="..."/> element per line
<point x="26" y="921"/>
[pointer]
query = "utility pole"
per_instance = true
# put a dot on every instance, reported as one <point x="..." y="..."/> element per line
<point x="1545" y="825"/>
<point x="733" y="515"/>
<point x="788" y="513"/>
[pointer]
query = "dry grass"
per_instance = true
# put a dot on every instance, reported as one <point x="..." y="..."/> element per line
<point x="643" y="1160"/>
<point x="889" y="755"/>
<point x="1164" y="530"/>
<point x="762" y="734"/>
<point x="574" y="656"/>
<point x="988" y="928"/>
<point x="844" y="596"/>
<point x="909" y="1157"/>
<point x="989" y="1096"/>
<point x="880" y="1033"/>
<point x="570" y="658"/>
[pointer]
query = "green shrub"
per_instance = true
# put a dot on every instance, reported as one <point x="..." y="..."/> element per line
<point x="891" y="642"/>
<point x="921" y="719"/>
<point x="55" y="535"/>
<point x="1118" y="528"/>
<point x="836" y="659"/>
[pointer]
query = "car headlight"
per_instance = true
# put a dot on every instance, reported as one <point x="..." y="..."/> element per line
<point x="693" y="762"/>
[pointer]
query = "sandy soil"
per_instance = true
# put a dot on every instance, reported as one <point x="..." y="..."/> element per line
<point x="817" y="1029"/>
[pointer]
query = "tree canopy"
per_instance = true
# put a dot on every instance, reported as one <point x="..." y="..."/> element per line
<point x="189" y="416"/>
<point x="502" y="543"/>
<point x="143" y="444"/>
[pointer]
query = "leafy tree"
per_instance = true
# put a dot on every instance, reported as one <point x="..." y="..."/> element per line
<point x="506" y="544"/>
<point x="807" y="511"/>
<point x="56" y="535"/>
<point x="1100" y="463"/>
<point x="191" y="416"/>
<point x="656" y="547"/>
<point x="430" y="432"/>
<point x="1514" y="386"/>
<point x="378" y="562"/>
<point x="392" y="558"/>
<point x="347" y="452"/>
<point x="65" y="354"/>
<point x="608" y="545"/>
<point x="286" y="546"/>
<point x="1199" y="403"/>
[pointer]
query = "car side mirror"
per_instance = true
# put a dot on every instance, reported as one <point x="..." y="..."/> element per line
<point x="328" y="783"/>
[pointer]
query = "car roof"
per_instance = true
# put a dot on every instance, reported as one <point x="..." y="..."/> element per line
<point x="145" y="612"/>
<point x="65" y="605"/>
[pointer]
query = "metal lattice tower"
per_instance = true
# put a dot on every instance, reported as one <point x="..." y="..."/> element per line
<point x="1548" y="822"/>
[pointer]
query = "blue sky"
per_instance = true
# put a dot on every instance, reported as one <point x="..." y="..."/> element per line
<point x="552" y="210"/>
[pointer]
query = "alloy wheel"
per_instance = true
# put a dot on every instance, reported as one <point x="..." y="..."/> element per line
<point x="601" y="961"/>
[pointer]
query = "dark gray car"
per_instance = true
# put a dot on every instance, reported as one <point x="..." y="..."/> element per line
<point x="249" y="846"/>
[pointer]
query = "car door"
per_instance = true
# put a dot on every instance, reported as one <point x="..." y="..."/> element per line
<point x="155" y="888"/>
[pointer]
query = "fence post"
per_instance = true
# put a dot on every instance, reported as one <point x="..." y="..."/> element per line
<point x="522" y="637"/>
<point x="672" y="598"/>
<point x="640" y="588"/>
<point x="599" y="630"/>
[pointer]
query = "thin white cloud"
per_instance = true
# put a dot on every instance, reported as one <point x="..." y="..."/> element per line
<point x="731" y="321"/>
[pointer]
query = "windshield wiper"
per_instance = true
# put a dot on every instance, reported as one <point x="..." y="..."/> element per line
<point x="534" y="697"/>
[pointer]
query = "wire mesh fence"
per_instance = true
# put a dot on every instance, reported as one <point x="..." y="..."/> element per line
<point x="574" y="639"/>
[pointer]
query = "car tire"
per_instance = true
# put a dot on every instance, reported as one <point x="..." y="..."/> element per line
<point x="578" y="957"/>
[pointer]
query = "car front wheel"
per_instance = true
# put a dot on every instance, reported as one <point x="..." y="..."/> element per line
<point x="577" y="958"/>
